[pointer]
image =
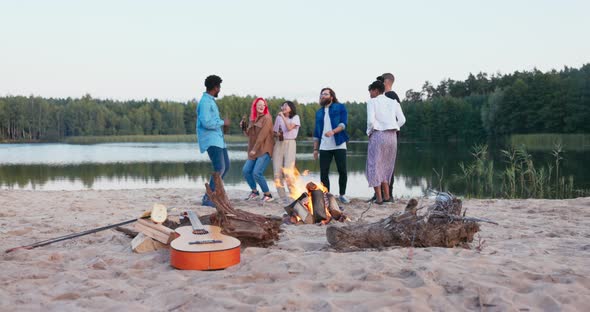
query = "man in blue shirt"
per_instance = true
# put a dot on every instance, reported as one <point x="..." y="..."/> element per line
<point x="329" y="139"/>
<point x="209" y="131"/>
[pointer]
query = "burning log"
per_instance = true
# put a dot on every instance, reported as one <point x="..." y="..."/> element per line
<point x="441" y="226"/>
<point x="315" y="206"/>
<point x="324" y="208"/>
<point x="250" y="228"/>
<point x="290" y="209"/>
<point x="334" y="209"/>
<point x="303" y="213"/>
<point x="319" y="206"/>
<point x="296" y="209"/>
<point x="318" y="203"/>
<point x="311" y="186"/>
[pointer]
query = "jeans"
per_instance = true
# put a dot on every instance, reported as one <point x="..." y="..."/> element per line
<point x="254" y="172"/>
<point x="219" y="161"/>
<point x="325" y="160"/>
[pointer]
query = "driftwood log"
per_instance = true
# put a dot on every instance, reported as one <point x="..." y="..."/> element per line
<point x="250" y="228"/>
<point x="441" y="226"/>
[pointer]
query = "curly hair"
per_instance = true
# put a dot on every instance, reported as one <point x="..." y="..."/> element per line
<point x="377" y="84"/>
<point x="212" y="81"/>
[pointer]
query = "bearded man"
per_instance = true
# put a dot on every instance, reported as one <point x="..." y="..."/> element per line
<point x="329" y="140"/>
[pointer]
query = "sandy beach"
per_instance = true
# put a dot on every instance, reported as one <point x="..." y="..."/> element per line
<point x="537" y="259"/>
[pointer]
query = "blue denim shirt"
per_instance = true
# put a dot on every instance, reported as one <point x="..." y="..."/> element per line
<point x="338" y="116"/>
<point x="209" y="124"/>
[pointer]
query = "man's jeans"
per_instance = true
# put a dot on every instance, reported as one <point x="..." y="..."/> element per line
<point x="339" y="156"/>
<point x="219" y="161"/>
<point x="254" y="172"/>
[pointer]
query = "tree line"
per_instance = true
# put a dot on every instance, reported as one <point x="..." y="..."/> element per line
<point x="482" y="106"/>
<point x="486" y="106"/>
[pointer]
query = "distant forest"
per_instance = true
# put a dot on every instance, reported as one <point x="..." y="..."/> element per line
<point x="480" y="107"/>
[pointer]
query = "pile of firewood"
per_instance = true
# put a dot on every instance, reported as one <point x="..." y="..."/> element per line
<point x="323" y="209"/>
<point x="443" y="224"/>
<point x="250" y="228"/>
<point x="151" y="236"/>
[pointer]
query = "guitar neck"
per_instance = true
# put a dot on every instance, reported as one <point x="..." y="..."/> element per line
<point x="196" y="224"/>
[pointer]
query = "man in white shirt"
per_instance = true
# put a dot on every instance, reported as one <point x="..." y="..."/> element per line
<point x="329" y="139"/>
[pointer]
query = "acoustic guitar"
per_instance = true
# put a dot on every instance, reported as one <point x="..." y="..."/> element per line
<point x="203" y="247"/>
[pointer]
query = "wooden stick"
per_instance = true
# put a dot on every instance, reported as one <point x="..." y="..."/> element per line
<point x="69" y="236"/>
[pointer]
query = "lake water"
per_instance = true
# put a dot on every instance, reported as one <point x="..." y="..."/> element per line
<point x="181" y="165"/>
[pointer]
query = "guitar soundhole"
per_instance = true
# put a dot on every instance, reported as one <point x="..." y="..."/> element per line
<point x="200" y="232"/>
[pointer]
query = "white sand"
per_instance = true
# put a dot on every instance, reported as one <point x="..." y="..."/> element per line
<point x="537" y="259"/>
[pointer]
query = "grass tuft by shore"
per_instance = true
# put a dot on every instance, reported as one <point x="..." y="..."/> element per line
<point x="546" y="141"/>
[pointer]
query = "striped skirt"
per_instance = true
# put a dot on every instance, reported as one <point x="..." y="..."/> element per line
<point x="381" y="157"/>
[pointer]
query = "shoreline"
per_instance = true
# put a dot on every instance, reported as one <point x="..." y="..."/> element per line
<point x="535" y="259"/>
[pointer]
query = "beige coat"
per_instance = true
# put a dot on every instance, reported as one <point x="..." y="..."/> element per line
<point x="260" y="137"/>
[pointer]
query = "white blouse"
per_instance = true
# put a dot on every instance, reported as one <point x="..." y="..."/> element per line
<point x="383" y="114"/>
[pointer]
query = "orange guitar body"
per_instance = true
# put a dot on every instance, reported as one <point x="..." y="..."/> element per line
<point x="210" y="251"/>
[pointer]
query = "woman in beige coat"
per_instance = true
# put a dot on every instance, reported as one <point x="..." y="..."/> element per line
<point x="260" y="147"/>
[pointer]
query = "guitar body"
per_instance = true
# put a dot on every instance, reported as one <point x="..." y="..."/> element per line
<point x="222" y="252"/>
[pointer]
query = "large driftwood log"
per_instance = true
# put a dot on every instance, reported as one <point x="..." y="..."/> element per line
<point x="250" y="228"/>
<point x="441" y="226"/>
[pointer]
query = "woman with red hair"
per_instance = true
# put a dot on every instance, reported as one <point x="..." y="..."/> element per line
<point x="260" y="146"/>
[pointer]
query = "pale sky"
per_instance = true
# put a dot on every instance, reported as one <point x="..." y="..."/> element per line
<point x="125" y="50"/>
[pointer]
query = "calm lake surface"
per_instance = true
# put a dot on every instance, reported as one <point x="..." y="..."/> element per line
<point x="181" y="165"/>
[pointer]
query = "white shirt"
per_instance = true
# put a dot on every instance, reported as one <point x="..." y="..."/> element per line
<point x="329" y="143"/>
<point x="383" y="114"/>
<point x="287" y="134"/>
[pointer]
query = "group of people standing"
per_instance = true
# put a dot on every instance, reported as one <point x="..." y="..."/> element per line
<point x="268" y="141"/>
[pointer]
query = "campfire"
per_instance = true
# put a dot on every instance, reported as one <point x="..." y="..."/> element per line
<point x="314" y="204"/>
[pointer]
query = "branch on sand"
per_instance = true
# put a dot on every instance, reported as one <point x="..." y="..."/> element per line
<point x="441" y="226"/>
<point x="250" y="228"/>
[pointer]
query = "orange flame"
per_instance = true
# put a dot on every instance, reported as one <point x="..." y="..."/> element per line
<point x="298" y="186"/>
<point x="295" y="184"/>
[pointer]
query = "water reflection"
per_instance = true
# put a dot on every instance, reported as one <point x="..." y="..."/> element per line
<point x="165" y="175"/>
<point x="180" y="165"/>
